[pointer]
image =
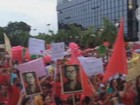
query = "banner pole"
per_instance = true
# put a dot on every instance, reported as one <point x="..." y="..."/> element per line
<point x="32" y="101"/>
<point x="73" y="97"/>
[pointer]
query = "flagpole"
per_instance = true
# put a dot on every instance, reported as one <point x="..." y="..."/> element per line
<point x="55" y="73"/>
<point x="73" y="97"/>
<point x="91" y="85"/>
<point x="32" y="102"/>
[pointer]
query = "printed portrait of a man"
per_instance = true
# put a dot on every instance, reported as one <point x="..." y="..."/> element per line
<point x="71" y="79"/>
<point x="31" y="83"/>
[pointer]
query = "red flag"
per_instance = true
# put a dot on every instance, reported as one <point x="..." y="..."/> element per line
<point x="118" y="60"/>
<point x="87" y="87"/>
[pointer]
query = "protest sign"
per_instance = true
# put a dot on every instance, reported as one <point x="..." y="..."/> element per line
<point x="34" y="65"/>
<point x="133" y="69"/>
<point x="85" y="58"/>
<point x="36" y="46"/>
<point x="31" y="83"/>
<point x="71" y="80"/>
<point x="58" y="50"/>
<point x="92" y="66"/>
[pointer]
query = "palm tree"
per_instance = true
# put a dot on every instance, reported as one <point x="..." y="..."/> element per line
<point x="109" y="32"/>
<point x="73" y="33"/>
<point x="60" y="36"/>
<point x="88" y="38"/>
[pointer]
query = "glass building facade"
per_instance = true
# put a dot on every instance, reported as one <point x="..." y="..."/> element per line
<point x="139" y="20"/>
<point x="91" y="13"/>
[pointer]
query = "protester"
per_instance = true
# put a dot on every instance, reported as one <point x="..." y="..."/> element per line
<point x="48" y="100"/>
<point x="23" y="100"/>
<point x="128" y="94"/>
<point x="46" y="90"/>
<point x="115" y="91"/>
<point x="138" y="90"/>
<point x="57" y="90"/>
<point x="86" y="101"/>
<point x="3" y="95"/>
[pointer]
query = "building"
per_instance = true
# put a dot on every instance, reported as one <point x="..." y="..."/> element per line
<point x="139" y="20"/>
<point x="87" y="13"/>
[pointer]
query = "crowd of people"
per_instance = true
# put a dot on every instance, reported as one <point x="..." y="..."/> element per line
<point x="116" y="91"/>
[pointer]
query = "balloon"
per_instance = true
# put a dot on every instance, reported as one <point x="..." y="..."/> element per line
<point x="73" y="45"/>
<point x="106" y="44"/>
<point x="47" y="59"/>
<point x="17" y="53"/>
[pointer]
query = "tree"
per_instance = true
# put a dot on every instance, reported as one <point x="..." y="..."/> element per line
<point x="1" y="35"/>
<point x="18" y="32"/>
<point x="48" y="39"/>
<point x="73" y="33"/>
<point x="17" y="28"/>
<point x="109" y="32"/>
<point x="61" y="36"/>
<point x="84" y="37"/>
<point x="88" y="38"/>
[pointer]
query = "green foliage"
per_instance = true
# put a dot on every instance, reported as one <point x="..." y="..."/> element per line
<point x="43" y="36"/>
<point x="17" y="28"/>
<point x="61" y="36"/>
<point x="1" y="35"/>
<point x="88" y="38"/>
<point x="73" y="33"/>
<point x="102" y="50"/>
<point x="18" y="32"/>
<point x="24" y="39"/>
<point x="109" y="32"/>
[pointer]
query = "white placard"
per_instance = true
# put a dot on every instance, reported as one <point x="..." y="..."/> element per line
<point x="34" y="65"/>
<point x="85" y="58"/>
<point x="92" y="66"/>
<point x="36" y="46"/>
<point x="58" y="50"/>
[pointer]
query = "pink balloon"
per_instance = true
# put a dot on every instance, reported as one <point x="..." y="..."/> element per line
<point x="73" y="45"/>
<point x="17" y="53"/>
<point x="106" y="44"/>
<point x="47" y="59"/>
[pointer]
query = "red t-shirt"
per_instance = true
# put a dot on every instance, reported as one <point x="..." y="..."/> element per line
<point x="57" y="89"/>
<point x="4" y="79"/>
<point x="129" y="97"/>
<point x="3" y="100"/>
<point x="14" y="94"/>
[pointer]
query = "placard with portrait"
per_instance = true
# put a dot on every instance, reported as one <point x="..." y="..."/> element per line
<point x="31" y="83"/>
<point x="71" y="79"/>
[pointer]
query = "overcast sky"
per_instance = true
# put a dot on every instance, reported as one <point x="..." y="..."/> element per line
<point x="36" y="13"/>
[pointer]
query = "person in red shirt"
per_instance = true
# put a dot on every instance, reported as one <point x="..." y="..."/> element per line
<point x="13" y="94"/>
<point x="48" y="100"/>
<point x="3" y="95"/>
<point x="128" y="94"/>
<point x="138" y="90"/>
<point x="57" y="90"/>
